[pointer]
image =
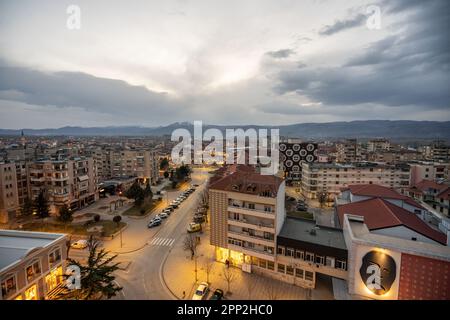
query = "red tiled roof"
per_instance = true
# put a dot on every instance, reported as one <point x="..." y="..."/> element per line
<point x="379" y="214"/>
<point x="245" y="180"/>
<point x="445" y="194"/>
<point x="425" y="185"/>
<point x="377" y="191"/>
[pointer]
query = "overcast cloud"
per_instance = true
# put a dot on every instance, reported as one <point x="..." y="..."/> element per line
<point x="225" y="62"/>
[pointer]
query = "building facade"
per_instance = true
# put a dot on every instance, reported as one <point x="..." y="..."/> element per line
<point x="71" y="182"/>
<point x="331" y="178"/>
<point x="31" y="264"/>
<point x="9" y="198"/>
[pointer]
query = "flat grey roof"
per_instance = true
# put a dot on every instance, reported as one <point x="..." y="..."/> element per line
<point x="15" y="245"/>
<point x="300" y="229"/>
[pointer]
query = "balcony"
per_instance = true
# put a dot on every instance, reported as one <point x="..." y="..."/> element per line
<point x="245" y="236"/>
<point x="233" y="207"/>
<point x="252" y="225"/>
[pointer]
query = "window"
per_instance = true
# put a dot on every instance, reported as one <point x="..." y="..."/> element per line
<point x="309" y="275"/>
<point x="289" y="252"/>
<point x="281" y="250"/>
<point x="299" y="273"/>
<point x="330" y="262"/>
<point x="262" y="263"/>
<point x="33" y="270"/>
<point x="267" y="209"/>
<point x="341" y="264"/>
<point x="270" y="265"/>
<point x="54" y="257"/>
<point x="309" y="257"/>
<point x="290" y="270"/>
<point x="320" y="260"/>
<point x="281" y="268"/>
<point x="251" y="206"/>
<point x="9" y="286"/>
<point x="31" y="293"/>
<point x="299" y="254"/>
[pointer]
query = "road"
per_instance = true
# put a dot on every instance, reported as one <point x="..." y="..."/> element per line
<point x="148" y="248"/>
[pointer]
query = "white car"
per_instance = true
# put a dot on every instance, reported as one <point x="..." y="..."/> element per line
<point x="201" y="292"/>
<point x="79" y="244"/>
<point x="162" y="215"/>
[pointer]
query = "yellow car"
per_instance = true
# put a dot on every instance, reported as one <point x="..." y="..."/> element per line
<point x="194" y="227"/>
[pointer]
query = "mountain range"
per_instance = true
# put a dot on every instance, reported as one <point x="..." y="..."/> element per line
<point x="400" y="130"/>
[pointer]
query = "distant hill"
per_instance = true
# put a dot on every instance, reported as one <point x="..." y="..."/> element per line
<point x="422" y="130"/>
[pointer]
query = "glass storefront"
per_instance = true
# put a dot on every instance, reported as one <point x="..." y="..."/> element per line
<point x="53" y="278"/>
<point x="31" y="293"/>
<point x="235" y="258"/>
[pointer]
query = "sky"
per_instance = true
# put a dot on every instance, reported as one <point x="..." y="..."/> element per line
<point x="153" y="63"/>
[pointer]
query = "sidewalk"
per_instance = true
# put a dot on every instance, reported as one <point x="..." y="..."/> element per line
<point x="179" y="276"/>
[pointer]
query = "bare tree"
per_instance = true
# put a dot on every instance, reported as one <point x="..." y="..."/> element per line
<point x="208" y="267"/>
<point x="190" y="244"/>
<point x="271" y="291"/>
<point x="229" y="277"/>
<point x="250" y="284"/>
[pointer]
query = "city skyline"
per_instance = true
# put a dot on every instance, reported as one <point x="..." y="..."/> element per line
<point x="154" y="64"/>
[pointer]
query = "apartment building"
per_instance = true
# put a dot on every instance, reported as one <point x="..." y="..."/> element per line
<point x="112" y="163"/>
<point x="440" y="152"/>
<point x="330" y="178"/>
<point x="377" y="145"/>
<point x="72" y="182"/>
<point x="422" y="170"/>
<point x="9" y="198"/>
<point x="394" y="156"/>
<point x="247" y="213"/>
<point x="442" y="202"/>
<point x="348" y="151"/>
<point x="31" y="264"/>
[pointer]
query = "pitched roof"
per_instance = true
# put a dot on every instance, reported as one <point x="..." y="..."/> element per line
<point x="245" y="180"/>
<point x="379" y="214"/>
<point x="377" y="191"/>
<point x="445" y="194"/>
<point x="425" y="185"/>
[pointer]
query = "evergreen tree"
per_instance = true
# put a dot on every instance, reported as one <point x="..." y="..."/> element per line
<point x="65" y="214"/>
<point x="27" y="207"/>
<point x="41" y="206"/>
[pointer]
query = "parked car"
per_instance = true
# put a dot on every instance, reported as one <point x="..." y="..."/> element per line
<point x="154" y="223"/>
<point x="162" y="215"/>
<point x="217" y="295"/>
<point x="201" y="292"/>
<point x="194" y="227"/>
<point x="198" y="219"/>
<point x="79" y="244"/>
<point x="174" y="205"/>
<point x="167" y="211"/>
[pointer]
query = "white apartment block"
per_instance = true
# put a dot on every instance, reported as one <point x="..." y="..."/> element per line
<point x="247" y="213"/>
<point x="422" y="170"/>
<point x="72" y="182"/>
<point x="331" y="178"/>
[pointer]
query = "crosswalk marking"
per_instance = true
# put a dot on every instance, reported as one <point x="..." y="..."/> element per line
<point x="162" y="242"/>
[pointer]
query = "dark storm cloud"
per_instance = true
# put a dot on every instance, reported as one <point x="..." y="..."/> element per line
<point x="81" y="90"/>
<point x="280" y="54"/>
<point x="341" y="25"/>
<point x="409" y="67"/>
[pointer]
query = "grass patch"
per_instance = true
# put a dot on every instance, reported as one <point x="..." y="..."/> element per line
<point x="301" y="214"/>
<point x="136" y="210"/>
<point x="109" y="227"/>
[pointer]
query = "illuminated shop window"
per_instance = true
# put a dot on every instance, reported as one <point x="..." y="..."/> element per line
<point x="31" y="293"/>
<point x="19" y="297"/>
<point x="53" y="278"/>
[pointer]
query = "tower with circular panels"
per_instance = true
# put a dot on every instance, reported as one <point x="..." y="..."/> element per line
<point x="293" y="155"/>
